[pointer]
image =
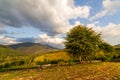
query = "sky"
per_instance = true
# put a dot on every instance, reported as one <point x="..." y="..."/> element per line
<point x="47" y="21"/>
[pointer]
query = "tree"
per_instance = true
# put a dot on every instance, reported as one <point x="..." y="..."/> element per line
<point x="106" y="47"/>
<point x="109" y="52"/>
<point x="82" y="42"/>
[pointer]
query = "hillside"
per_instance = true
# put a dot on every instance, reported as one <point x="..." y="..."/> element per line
<point x="24" y="49"/>
<point x="20" y="55"/>
<point x="6" y="50"/>
<point x="31" y="48"/>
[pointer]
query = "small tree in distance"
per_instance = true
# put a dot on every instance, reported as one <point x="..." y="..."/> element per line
<point x="82" y="42"/>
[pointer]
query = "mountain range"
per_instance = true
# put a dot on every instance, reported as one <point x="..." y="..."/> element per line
<point x="27" y="48"/>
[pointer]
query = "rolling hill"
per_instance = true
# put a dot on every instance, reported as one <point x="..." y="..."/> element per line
<point x="32" y="48"/>
<point x="6" y="50"/>
<point x="25" y="49"/>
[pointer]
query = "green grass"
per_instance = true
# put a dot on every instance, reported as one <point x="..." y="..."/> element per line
<point x="56" y="55"/>
<point x="7" y="51"/>
<point x="96" y="71"/>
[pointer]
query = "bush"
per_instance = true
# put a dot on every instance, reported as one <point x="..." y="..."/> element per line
<point x="6" y="65"/>
<point x="17" y="63"/>
<point x="42" y="63"/>
<point x="21" y="62"/>
<point x="54" y="62"/>
<point x="50" y="62"/>
<point x="1" y="66"/>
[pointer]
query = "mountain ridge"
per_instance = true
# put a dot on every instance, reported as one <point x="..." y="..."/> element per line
<point x="26" y="48"/>
<point x="32" y="48"/>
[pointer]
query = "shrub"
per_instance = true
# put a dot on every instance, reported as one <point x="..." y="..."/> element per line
<point x="6" y="65"/>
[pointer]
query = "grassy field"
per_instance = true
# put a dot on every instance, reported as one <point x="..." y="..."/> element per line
<point x="93" y="71"/>
<point x="58" y="55"/>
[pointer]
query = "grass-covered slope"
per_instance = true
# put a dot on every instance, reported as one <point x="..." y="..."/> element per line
<point x="24" y="49"/>
<point x="20" y="56"/>
<point x="31" y="48"/>
<point x="5" y="50"/>
<point x="53" y="56"/>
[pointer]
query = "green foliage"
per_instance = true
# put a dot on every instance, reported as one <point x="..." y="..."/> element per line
<point x="17" y="63"/>
<point x="117" y="50"/>
<point x="106" y="47"/>
<point x="6" y="65"/>
<point x="109" y="52"/>
<point x="50" y="62"/>
<point x="116" y="56"/>
<point x="106" y="53"/>
<point x="82" y="41"/>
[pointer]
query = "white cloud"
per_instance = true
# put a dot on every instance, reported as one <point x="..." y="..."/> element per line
<point x="49" y="16"/>
<point x="7" y="40"/>
<point x="99" y="15"/>
<point x="110" y="7"/>
<point x="52" y="41"/>
<point x="110" y="33"/>
<point x="77" y="23"/>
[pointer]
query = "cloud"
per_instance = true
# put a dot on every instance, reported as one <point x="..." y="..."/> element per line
<point x="109" y="7"/>
<point x="49" y="16"/>
<point x="7" y="40"/>
<point x="2" y="31"/>
<point x="29" y="39"/>
<point x="52" y="41"/>
<point x="99" y="15"/>
<point x="110" y="33"/>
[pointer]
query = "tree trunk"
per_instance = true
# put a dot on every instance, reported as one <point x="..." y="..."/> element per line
<point x="80" y="59"/>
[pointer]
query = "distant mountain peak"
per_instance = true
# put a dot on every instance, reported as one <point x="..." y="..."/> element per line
<point x="26" y="48"/>
<point x="29" y="44"/>
<point x="32" y="48"/>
